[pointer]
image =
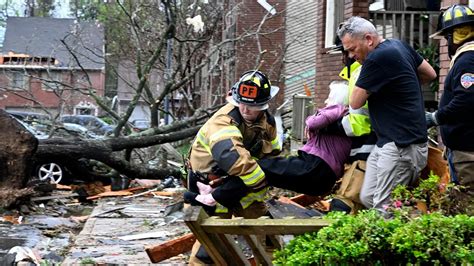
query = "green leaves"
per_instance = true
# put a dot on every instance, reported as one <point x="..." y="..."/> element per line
<point x="369" y="239"/>
<point x="435" y="238"/>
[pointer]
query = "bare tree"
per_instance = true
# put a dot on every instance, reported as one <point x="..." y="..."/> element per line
<point x="178" y="50"/>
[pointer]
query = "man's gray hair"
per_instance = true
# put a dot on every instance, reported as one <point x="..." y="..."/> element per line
<point x="356" y="27"/>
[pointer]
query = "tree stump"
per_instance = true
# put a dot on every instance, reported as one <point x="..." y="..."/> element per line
<point x="17" y="146"/>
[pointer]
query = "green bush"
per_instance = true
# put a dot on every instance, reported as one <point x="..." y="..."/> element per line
<point x="411" y="237"/>
<point x="435" y="239"/>
<point x="369" y="239"/>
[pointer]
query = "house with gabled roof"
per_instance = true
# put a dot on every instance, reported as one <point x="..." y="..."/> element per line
<point x="52" y="65"/>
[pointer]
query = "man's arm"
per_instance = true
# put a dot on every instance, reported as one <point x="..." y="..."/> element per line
<point x="358" y="98"/>
<point x="426" y="73"/>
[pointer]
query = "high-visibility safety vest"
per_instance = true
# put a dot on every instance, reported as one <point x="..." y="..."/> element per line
<point x="357" y="122"/>
<point x="224" y="142"/>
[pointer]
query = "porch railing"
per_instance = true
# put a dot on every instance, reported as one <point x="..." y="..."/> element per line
<point x="414" y="27"/>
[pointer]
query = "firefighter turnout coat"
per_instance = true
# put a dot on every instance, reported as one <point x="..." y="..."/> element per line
<point x="225" y="143"/>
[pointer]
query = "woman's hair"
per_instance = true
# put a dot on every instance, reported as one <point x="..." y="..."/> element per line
<point x="356" y="27"/>
<point x="338" y="93"/>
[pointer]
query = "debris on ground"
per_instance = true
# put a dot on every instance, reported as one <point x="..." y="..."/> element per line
<point x="91" y="223"/>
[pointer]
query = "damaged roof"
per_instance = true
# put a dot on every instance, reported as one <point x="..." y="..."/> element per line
<point x="42" y="37"/>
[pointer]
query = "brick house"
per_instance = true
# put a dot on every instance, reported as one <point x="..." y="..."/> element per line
<point x="242" y="55"/>
<point x="38" y="71"/>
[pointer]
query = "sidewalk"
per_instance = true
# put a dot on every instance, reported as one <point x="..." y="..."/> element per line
<point x="119" y="229"/>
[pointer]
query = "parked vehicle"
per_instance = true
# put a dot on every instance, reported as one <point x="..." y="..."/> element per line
<point x="41" y="122"/>
<point x="55" y="169"/>
<point x="140" y="125"/>
<point x="60" y="170"/>
<point x="29" y="116"/>
<point x="41" y="125"/>
<point x="92" y="123"/>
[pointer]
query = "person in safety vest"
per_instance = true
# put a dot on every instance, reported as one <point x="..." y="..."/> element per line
<point x="224" y="176"/>
<point x="456" y="107"/>
<point x="320" y="162"/>
<point x="356" y="125"/>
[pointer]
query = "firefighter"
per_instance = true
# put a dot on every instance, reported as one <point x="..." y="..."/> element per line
<point x="224" y="176"/>
<point x="454" y="115"/>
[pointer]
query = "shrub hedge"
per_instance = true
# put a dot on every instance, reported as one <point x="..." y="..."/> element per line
<point x="369" y="239"/>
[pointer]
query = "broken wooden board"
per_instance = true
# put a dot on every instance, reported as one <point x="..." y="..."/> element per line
<point x="305" y="200"/>
<point x="110" y="194"/>
<point x="214" y="233"/>
<point x="69" y="195"/>
<point x="158" y="234"/>
<point x="170" y="248"/>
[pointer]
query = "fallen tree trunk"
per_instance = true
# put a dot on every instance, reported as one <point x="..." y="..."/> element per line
<point x="20" y="150"/>
<point x="107" y="151"/>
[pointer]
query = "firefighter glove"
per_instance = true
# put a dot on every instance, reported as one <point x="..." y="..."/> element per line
<point x="204" y="189"/>
<point x="191" y="198"/>
<point x="431" y="120"/>
<point x="206" y="199"/>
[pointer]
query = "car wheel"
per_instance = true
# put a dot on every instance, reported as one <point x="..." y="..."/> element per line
<point x="50" y="171"/>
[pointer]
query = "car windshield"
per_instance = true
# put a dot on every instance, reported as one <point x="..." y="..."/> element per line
<point x="141" y="123"/>
<point x="92" y="123"/>
<point x="42" y="127"/>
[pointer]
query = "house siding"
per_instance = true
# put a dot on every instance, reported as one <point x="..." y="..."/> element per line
<point x="300" y="58"/>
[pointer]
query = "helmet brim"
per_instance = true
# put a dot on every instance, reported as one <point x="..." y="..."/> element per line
<point x="273" y="92"/>
<point x="437" y="35"/>
<point x="232" y="101"/>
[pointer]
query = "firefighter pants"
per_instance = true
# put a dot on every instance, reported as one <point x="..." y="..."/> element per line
<point x="305" y="173"/>
<point x="462" y="171"/>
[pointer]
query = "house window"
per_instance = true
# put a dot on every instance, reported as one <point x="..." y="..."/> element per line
<point x="52" y="80"/>
<point x="17" y="80"/>
<point x="82" y="80"/>
<point x="334" y="16"/>
<point x="471" y="4"/>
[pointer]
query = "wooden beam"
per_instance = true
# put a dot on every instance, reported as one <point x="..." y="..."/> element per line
<point x="259" y="252"/>
<point x="286" y="226"/>
<point x="170" y="248"/>
<point x="215" y="233"/>
<point x="217" y="247"/>
<point x="305" y="200"/>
